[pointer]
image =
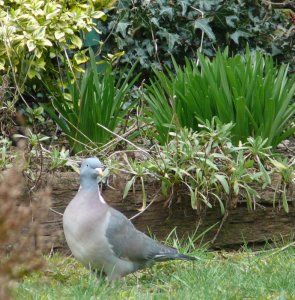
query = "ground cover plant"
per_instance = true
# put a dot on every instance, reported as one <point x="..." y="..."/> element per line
<point x="209" y="168"/>
<point x="237" y="275"/>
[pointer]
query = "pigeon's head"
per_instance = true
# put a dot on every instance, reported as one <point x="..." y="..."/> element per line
<point x="90" y="169"/>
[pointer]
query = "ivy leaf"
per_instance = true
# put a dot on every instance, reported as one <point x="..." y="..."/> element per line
<point x="275" y="50"/>
<point x="230" y="21"/>
<point x="208" y="4"/>
<point x="184" y="5"/>
<point x="120" y="42"/>
<point x="237" y="34"/>
<point x="168" y="11"/>
<point x="32" y="73"/>
<point x="122" y="28"/>
<point x="147" y="44"/>
<point x="155" y="21"/>
<point x="171" y="38"/>
<point x="203" y="24"/>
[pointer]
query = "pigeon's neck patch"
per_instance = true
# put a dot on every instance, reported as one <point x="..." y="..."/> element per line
<point x="100" y="197"/>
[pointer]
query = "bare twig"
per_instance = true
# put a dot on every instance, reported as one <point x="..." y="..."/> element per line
<point x="109" y="35"/>
<point x="116" y="140"/>
<point x="152" y="201"/>
<point x="156" y="46"/>
<point x="220" y="226"/>
<point x="55" y="211"/>
<point x="202" y="36"/>
<point x="122" y="138"/>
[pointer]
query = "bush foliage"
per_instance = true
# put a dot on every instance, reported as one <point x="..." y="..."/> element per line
<point x="153" y="30"/>
<point x="35" y="32"/>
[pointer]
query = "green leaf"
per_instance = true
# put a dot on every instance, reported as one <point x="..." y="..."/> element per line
<point x="167" y="11"/>
<point x="172" y="38"/>
<point x="80" y="57"/>
<point x="52" y="14"/>
<point x="236" y="187"/>
<point x="122" y="28"/>
<point x="76" y="41"/>
<point x="59" y="35"/>
<point x="31" y="45"/>
<point x="220" y="203"/>
<point x="128" y="186"/>
<point x="99" y="15"/>
<point x="231" y="20"/>
<point x="193" y="197"/>
<point x="46" y="43"/>
<point x="285" y="202"/>
<point x="203" y="24"/>
<point x="222" y="179"/>
<point x="40" y="33"/>
<point x="267" y="180"/>
<point x="237" y="34"/>
<point x="278" y="164"/>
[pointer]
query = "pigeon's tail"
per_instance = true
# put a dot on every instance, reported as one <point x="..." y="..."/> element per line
<point x="185" y="257"/>
<point x="173" y="256"/>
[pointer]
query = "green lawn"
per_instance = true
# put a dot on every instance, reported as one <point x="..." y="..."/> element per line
<point x="238" y="275"/>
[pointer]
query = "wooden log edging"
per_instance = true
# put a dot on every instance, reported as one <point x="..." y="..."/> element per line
<point x="241" y="225"/>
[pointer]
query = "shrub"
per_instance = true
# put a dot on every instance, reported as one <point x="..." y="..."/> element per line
<point x="247" y="90"/>
<point x="34" y="32"/>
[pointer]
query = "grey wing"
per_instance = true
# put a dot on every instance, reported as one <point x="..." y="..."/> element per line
<point x="129" y="243"/>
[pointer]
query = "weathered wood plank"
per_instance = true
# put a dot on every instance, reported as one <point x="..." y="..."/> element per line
<point x="257" y="226"/>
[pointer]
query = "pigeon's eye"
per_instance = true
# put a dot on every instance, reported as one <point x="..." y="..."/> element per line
<point x="86" y="165"/>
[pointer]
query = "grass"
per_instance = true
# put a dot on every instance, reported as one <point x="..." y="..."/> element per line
<point x="236" y="275"/>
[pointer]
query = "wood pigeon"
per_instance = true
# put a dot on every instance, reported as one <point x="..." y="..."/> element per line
<point x="102" y="238"/>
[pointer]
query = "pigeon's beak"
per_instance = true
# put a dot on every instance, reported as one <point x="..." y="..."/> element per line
<point x="99" y="171"/>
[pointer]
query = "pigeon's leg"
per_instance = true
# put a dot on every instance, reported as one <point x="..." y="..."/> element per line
<point x="97" y="275"/>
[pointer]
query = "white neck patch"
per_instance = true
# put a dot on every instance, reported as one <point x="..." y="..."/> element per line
<point x="100" y="197"/>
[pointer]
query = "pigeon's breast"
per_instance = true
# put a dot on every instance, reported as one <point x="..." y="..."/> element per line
<point x="85" y="224"/>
